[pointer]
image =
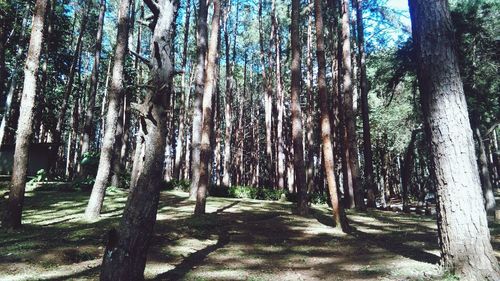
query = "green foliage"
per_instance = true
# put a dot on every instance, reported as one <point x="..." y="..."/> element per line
<point x="40" y="176"/>
<point x="175" y="184"/>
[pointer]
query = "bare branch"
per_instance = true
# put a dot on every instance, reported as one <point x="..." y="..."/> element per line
<point x="143" y="59"/>
<point x="153" y="6"/>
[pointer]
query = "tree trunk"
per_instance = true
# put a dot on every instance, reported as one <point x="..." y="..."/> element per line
<point x="201" y="45"/>
<point x="126" y="251"/>
<point x="484" y="174"/>
<point x="365" y="111"/>
<point x="349" y="115"/>
<point x="210" y="80"/>
<point x="114" y="97"/>
<point x="407" y="170"/>
<point x="463" y="231"/>
<point x="339" y="216"/>
<point x="88" y="127"/>
<point x="310" y="138"/>
<point x="13" y="212"/>
<point x="280" y="108"/>
<point x="226" y="179"/>
<point x="297" y="135"/>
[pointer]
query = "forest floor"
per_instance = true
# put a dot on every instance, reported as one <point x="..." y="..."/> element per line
<point x="238" y="239"/>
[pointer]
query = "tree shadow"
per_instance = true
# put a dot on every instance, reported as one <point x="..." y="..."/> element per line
<point x="194" y="259"/>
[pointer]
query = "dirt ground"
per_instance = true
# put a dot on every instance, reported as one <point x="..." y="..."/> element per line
<point x="238" y="239"/>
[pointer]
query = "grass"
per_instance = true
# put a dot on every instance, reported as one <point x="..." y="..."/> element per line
<point x="238" y="239"/>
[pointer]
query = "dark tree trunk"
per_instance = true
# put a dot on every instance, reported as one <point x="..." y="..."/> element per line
<point x="114" y="97"/>
<point x="88" y="127"/>
<point x="339" y="216"/>
<point x="126" y="251"/>
<point x="201" y="45"/>
<point x="349" y="115"/>
<point x="370" y="186"/>
<point x="297" y="134"/>
<point x="407" y="169"/>
<point x="484" y="173"/>
<point x="13" y="213"/>
<point x="210" y="80"/>
<point x="463" y="231"/>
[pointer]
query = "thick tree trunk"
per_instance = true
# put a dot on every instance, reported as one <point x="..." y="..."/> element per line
<point x="210" y="80"/>
<point x="365" y="111"/>
<point x="201" y="45"/>
<point x="339" y="216"/>
<point x="349" y="115"/>
<point x="114" y="97"/>
<point x="88" y="127"/>
<point x="13" y="212"/>
<point x="463" y="231"/>
<point x="297" y="134"/>
<point x="126" y="251"/>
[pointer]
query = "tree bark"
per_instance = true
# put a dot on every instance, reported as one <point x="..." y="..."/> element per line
<point x="13" y="213"/>
<point x="114" y="97"/>
<point x="126" y="251"/>
<point x="463" y="232"/>
<point x="88" y="127"/>
<point x="201" y="45"/>
<point x="297" y="134"/>
<point x="339" y="216"/>
<point x="226" y="179"/>
<point x="370" y="185"/>
<point x="484" y="174"/>
<point x="349" y="115"/>
<point x="210" y="80"/>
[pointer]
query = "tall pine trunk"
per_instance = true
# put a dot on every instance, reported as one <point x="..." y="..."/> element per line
<point x="13" y="213"/>
<point x="201" y="45"/>
<point x="297" y="134"/>
<point x="88" y="127"/>
<point x="114" y="97"/>
<point x="464" y="236"/>
<point x="126" y="251"/>
<point x="325" y="124"/>
<point x="210" y="80"/>
<point x="370" y="186"/>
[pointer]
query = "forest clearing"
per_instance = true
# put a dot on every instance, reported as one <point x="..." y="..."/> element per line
<point x="249" y="140"/>
<point x="238" y="239"/>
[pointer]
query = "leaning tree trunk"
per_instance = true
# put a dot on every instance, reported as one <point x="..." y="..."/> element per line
<point x="210" y="79"/>
<point x="201" y="45"/>
<point x="298" y="148"/>
<point x="88" y="127"/>
<point x="370" y="185"/>
<point x="349" y="115"/>
<point x="126" y="251"/>
<point x="339" y="216"/>
<point x="13" y="213"/>
<point x="463" y="231"/>
<point x="114" y="97"/>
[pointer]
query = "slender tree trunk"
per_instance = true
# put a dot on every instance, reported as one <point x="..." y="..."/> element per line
<point x="114" y="97"/>
<point x="126" y="251"/>
<point x="297" y="135"/>
<point x="484" y="174"/>
<point x="407" y="169"/>
<point x="349" y="115"/>
<point x="13" y="212"/>
<point x="339" y="216"/>
<point x="280" y="109"/>
<point x="226" y="180"/>
<point x="201" y="45"/>
<point x="310" y="145"/>
<point x="363" y="83"/>
<point x="88" y="127"/>
<point x="210" y="80"/>
<point x="463" y="231"/>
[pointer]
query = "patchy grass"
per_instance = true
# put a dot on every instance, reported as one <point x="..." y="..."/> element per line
<point x="238" y="239"/>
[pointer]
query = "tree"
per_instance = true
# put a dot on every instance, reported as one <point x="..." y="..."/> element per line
<point x="210" y="81"/>
<point x="349" y="117"/>
<point x="363" y="87"/>
<point x="114" y="100"/>
<point x="125" y="254"/>
<point x="325" y="124"/>
<point x="297" y="134"/>
<point x="201" y="45"/>
<point x="463" y="228"/>
<point x="88" y="127"/>
<point x="13" y="213"/>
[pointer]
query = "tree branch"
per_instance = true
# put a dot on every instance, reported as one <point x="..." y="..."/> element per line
<point x="143" y="59"/>
<point x="153" y="6"/>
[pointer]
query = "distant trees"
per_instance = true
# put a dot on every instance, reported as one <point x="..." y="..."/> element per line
<point x="466" y="251"/>
<point x="24" y="134"/>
